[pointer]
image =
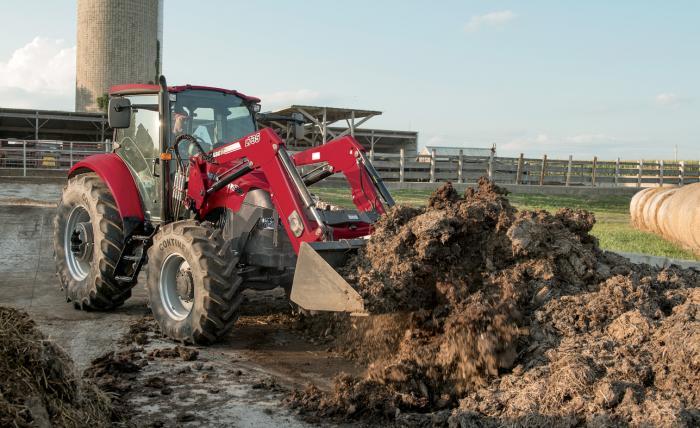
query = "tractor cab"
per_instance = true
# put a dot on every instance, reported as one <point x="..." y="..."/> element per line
<point x="213" y="116"/>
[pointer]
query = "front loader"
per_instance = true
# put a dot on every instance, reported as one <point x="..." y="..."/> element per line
<point x="209" y="205"/>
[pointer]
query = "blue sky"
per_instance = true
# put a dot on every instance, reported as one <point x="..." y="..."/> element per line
<point x="586" y="78"/>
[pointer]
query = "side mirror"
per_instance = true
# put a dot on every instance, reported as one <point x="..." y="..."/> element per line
<point x="119" y="113"/>
<point x="298" y="126"/>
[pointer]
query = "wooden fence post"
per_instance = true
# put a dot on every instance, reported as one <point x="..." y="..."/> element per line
<point x="490" y="170"/>
<point x="460" y="164"/>
<point x="543" y="171"/>
<point x="640" y="167"/>
<point x="617" y="172"/>
<point x="402" y="164"/>
<point x="594" y="170"/>
<point x="24" y="158"/>
<point x="681" y="172"/>
<point x="519" y="170"/>
<point x="661" y="172"/>
<point x="568" y="170"/>
<point x="432" y="166"/>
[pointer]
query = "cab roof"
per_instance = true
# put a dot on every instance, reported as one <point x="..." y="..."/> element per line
<point x="140" y="88"/>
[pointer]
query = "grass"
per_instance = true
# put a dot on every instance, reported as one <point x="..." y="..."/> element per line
<point x="613" y="228"/>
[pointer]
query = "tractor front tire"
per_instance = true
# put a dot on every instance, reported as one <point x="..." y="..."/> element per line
<point x="88" y="239"/>
<point x="193" y="284"/>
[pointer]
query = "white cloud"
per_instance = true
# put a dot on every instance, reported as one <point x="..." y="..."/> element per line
<point x="671" y="99"/>
<point x="527" y="143"/>
<point x="42" y="66"/>
<point x="280" y="99"/>
<point x="560" y="146"/>
<point x="41" y="71"/>
<point x="490" y="19"/>
<point x="666" y="98"/>
<point x="593" y="139"/>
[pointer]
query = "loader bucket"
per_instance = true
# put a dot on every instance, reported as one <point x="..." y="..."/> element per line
<point x="317" y="286"/>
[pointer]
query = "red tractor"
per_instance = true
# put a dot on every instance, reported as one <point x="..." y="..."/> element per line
<point x="210" y="205"/>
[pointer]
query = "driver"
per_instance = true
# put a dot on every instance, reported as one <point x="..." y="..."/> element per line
<point x="181" y="124"/>
<point x="180" y="121"/>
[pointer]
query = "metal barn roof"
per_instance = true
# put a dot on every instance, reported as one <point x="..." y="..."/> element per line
<point x="26" y="124"/>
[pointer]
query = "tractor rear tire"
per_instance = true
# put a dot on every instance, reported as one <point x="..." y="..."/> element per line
<point x="88" y="239"/>
<point x="193" y="284"/>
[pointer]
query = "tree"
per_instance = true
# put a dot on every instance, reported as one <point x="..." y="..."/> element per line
<point x="103" y="102"/>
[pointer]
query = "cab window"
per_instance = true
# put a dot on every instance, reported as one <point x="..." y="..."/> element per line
<point x="139" y="148"/>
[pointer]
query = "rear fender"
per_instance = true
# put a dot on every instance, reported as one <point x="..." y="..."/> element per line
<point x="114" y="172"/>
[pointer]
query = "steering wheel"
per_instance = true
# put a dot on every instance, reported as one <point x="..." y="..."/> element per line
<point x="188" y="145"/>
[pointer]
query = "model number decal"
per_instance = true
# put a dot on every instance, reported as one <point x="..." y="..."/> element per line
<point x="253" y="139"/>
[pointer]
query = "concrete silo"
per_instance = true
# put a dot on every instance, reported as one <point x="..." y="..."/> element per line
<point x="119" y="41"/>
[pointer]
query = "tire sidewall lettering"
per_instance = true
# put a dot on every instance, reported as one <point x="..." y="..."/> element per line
<point x="168" y="243"/>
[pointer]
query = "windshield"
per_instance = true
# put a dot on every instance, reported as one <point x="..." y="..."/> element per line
<point x="215" y="118"/>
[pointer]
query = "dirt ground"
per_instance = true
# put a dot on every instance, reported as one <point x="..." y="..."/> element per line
<point x="270" y="354"/>
<point x="238" y="382"/>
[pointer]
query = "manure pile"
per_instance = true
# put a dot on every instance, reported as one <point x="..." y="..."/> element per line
<point x="483" y="315"/>
<point x="38" y="383"/>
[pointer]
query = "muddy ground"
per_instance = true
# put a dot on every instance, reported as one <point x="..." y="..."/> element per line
<point x="238" y="382"/>
<point x="271" y="356"/>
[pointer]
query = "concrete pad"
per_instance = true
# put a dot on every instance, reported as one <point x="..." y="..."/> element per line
<point x="660" y="262"/>
<point x="23" y="233"/>
<point x="28" y="281"/>
<point x="27" y="192"/>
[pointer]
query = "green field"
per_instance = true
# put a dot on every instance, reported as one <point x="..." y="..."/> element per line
<point x="612" y="228"/>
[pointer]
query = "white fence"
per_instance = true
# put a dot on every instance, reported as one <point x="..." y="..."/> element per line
<point x="27" y="155"/>
<point x="37" y="156"/>
<point x="532" y="171"/>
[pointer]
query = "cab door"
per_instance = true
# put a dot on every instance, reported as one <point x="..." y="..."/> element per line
<point x="139" y="147"/>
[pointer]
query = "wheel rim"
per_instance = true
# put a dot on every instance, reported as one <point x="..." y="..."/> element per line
<point x="176" y="287"/>
<point x="78" y="243"/>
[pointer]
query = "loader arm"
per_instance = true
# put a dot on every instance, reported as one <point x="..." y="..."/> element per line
<point x="260" y="161"/>
<point x="345" y="155"/>
<point x="224" y="177"/>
